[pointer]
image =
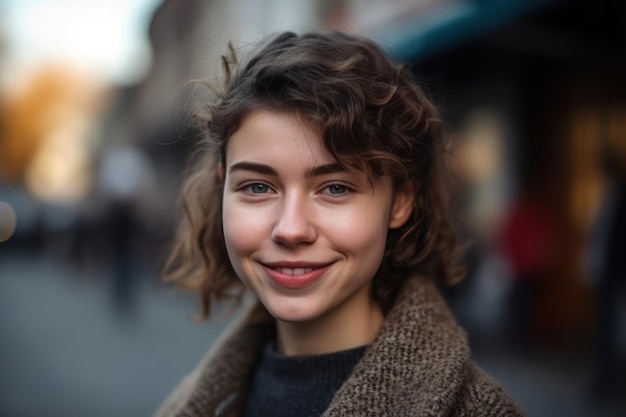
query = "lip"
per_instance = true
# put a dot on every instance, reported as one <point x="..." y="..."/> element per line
<point x="294" y="275"/>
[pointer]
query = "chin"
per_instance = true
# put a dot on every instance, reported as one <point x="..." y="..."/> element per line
<point x="292" y="313"/>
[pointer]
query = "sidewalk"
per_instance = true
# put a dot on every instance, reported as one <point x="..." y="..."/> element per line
<point x="67" y="350"/>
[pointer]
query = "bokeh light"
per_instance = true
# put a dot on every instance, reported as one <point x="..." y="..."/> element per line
<point x="8" y="221"/>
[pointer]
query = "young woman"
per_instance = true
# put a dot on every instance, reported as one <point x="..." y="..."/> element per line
<point x="321" y="188"/>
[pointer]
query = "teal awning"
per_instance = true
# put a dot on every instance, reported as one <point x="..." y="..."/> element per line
<point x="451" y="23"/>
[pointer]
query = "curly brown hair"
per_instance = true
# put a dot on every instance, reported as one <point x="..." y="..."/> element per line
<point x="370" y="114"/>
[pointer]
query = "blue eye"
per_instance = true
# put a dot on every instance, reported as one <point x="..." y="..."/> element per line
<point x="337" y="189"/>
<point x="257" y="188"/>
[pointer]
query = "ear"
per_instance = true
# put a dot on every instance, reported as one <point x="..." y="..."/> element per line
<point x="402" y="207"/>
<point x="221" y="172"/>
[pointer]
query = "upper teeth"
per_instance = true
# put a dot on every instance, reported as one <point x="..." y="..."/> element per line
<point x="294" y="271"/>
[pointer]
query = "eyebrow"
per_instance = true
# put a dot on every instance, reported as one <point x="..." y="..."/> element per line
<point x="320" y="170"/>
<point x="315" y="171"/>
<point x="254" y="167"/>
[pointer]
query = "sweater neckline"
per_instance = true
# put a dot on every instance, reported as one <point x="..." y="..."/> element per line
<point x="303" y="385"/>
<point x="307" y="366"/>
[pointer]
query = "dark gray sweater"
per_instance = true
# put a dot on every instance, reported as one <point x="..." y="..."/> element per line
<point x="287" y="386"/>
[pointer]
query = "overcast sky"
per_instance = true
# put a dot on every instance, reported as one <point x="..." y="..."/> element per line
<point x="109" y="36"/>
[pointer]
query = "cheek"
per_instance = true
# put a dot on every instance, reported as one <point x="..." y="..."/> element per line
<point x="242" y="229"/>
<point x="361" y="232"/>
<point x="234" y="231"/>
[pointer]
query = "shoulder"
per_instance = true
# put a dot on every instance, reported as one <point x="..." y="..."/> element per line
<point x="481" y="395"/>
<point x="177" y="399"/>
<point x="222" y="372"/>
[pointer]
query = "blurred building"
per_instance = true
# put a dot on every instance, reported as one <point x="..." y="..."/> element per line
<point x="535" y="89"/>
<point x="541" y="84"/>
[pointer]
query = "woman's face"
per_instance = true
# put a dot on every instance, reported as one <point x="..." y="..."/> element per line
<point x="304" y="234"/>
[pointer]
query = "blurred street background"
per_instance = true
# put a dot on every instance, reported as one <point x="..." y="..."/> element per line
<point x="95" y="136"/>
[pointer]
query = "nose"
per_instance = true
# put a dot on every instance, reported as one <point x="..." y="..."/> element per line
<point x="294" y="225"/>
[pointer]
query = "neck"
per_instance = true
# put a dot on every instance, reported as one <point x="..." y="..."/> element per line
<point x="349" y="325"/>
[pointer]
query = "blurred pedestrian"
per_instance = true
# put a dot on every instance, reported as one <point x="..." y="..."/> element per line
<point x="123" y="175"/>
<point x="608" y="272"/>
<point x="529" y="244"/>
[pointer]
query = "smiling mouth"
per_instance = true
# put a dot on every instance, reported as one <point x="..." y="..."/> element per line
<point x="293" y="271"/>
<point x="295" y="276"/>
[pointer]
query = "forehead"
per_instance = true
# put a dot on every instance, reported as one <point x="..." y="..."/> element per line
<point x="267" y="134"/>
